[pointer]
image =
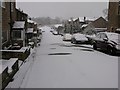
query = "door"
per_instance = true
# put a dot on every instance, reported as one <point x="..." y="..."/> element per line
<point x="98" y="40"/>
<point x="103" y="43"/>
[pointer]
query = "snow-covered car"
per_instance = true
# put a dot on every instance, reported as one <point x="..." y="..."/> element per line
<point x="107" y="41"/>
<point x="39" y="38"/>
<point x="55" y="33"/>
<point x="67" y="37"/>
<point x="51" y="30"/>
<point x="31" y="44"/>
<point x="79" y="38"/>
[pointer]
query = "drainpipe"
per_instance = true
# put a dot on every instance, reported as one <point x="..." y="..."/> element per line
<point x="10" y="23"/>
<point x="0" y="37"/>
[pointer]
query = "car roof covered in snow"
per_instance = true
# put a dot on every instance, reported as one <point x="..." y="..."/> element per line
<point x="112" y="35"/>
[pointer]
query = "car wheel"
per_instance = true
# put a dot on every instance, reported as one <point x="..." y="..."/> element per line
<point x="94" y="46"/>
<point x="111" y="50"/>
<point x="74" y="41"/>
<point x="71" y="40"/>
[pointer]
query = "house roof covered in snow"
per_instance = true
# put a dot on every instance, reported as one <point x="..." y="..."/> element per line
<point x="91" y="18"/>
<point x="75" y="19"/>
<point x="19" y="25"/>
<point x="84" y="25"/>
<point x="31" y="21"/>
<point x="83" y="19"/>
<point x="99" y="23"/>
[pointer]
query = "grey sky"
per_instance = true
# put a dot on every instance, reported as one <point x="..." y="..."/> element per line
<point x="63" y="9"/>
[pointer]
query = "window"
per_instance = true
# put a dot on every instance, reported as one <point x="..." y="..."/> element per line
<point x="17" y="34"/>
<point x="103" y="36"/>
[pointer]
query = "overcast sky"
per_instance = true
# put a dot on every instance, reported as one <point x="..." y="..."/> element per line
<point x="63" y="9"/>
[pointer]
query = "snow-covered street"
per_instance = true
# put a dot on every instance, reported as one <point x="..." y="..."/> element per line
<point x="60" y="64"/>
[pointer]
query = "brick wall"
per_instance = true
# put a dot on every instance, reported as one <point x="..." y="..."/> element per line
<point x="113" y="16"/>
<point x="100" y="23"/>
<point x="6" y="22"/>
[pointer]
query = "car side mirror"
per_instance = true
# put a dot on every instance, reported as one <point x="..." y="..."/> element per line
<point x="105" y="39"/>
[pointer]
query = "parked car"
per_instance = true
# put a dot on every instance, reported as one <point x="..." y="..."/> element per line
<point x="79" y="38"/>
<point x="67" y="37"/>
<point x="107" y="41"/>
<point x="55" y="33"/>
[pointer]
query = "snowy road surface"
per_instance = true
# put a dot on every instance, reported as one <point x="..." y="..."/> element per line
<point x="81" y="68"/>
